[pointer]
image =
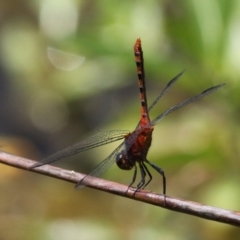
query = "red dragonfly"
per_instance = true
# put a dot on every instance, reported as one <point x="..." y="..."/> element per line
<point x="132" y="152"/>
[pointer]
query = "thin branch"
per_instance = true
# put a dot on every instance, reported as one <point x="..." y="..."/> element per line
<point x="174" y="204"/>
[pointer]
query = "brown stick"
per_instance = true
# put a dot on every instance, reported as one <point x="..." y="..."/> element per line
<point x="174" y="204"/>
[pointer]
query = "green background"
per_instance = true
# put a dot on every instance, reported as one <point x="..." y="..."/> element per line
<point x="44" y="109"/>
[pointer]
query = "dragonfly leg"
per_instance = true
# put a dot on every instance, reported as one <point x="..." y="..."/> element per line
<point x="159" y="170"/>
<point x="149" y="174"/>
<point x="143" y="176"/>
<point x="134" y="176"/>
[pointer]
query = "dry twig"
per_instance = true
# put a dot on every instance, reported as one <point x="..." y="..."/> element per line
<point x="174" y="204"/>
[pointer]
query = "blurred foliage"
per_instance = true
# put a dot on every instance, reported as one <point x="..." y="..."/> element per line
<point x="46" y="107"/>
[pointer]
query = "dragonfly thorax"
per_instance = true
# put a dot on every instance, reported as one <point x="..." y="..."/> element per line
<point x="137" y="145"/>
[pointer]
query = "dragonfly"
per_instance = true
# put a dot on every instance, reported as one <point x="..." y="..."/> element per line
<point x="132" y="152"/>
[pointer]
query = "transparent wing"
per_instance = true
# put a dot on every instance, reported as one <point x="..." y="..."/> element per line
<point x="111" y="159"/>
<point x="103" y="166"/>
<point x="97" y="140"/>
<point x="186" y="102"/>
<point x="170" y="83"/>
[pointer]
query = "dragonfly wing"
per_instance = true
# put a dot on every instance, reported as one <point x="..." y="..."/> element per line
<point x="97" y="140"/>
<point x="103" y="166"/>
<point x="170" y="83"/>
<point x="186" y="102"/>
<point x="111" y="159"/>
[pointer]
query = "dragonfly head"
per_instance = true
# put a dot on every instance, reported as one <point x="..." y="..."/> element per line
<point x="124" y="162"/>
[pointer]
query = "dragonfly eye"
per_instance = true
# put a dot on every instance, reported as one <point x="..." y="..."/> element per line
<point x="124" y="162"/>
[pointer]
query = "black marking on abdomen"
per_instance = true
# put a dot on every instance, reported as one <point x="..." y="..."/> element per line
<point x="140" y="76"/>
<point x="143" y="103"/>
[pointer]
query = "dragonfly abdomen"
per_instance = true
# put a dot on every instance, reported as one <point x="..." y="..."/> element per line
<point x="141" y="82"/>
